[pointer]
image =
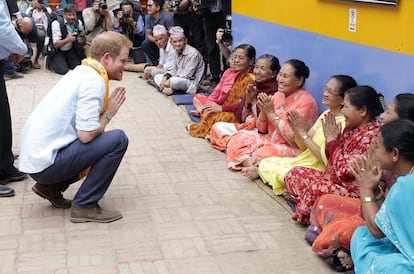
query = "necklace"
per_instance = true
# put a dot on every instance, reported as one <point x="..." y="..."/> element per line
<point x="411" y="170"/>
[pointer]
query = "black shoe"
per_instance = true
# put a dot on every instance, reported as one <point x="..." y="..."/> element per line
<point x="15" y="176"/>
<point x="6" y="191"/>
<point x="53" y="193"/>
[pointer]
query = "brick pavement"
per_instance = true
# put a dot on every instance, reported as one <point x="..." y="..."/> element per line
<point x="184" y="212"/>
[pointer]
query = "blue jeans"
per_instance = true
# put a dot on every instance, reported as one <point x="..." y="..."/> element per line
<point x="9" y="68"/>
<point x="103" y="155"/>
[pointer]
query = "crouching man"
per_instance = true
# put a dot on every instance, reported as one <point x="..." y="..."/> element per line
<point x="187" y="66"/>
<point x="64" y="139"/>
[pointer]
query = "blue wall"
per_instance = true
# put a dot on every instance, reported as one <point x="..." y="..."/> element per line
<point x="388" y="72"/>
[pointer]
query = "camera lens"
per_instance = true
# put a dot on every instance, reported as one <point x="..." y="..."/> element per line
<point x="227" y="37"/>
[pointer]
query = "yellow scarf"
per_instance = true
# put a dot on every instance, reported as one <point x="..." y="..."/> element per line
<point x="102" y="72"/>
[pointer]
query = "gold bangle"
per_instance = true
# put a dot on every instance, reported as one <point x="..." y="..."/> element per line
<point x="263" y="121"/>
<point x="277" y="118"/>
<point x="366" y="200"/>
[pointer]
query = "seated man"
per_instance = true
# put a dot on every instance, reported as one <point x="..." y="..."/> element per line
<point x="166" y="53"/>
<point x="64" y="138"/>
<point x="188" y="66"/>
<point x="97" y="19"/>
<point x="65" y="35"/>
<point x="156" y="16"/>
<point x="129" y="22"/>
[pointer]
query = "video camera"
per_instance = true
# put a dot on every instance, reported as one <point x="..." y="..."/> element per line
<point x="227" y="37"/>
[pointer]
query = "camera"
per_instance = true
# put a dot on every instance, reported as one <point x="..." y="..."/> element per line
<point x="79" y="38"/>
<point x="174" y="5"/>
<point x="126" y="14"/>
<point x="102" y="5"/>
<point x="227" y="37"/>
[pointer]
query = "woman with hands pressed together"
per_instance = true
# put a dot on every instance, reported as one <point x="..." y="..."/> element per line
<point x="334" y="218"/>
<point x="386" y="243"/>
<point x="230" y="90"/>
<point x="246" y="111"/>
<point x="274" y="136"/>
<point x="272" y="170"/>
<point x="304" y="185"/>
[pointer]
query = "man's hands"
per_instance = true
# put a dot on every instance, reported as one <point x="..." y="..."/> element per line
<point x="16" y="58"/>
<point x="116" y="100"/>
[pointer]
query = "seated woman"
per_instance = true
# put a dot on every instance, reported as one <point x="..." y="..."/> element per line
<point x="273" y="136"/>
<point x="304" y="185"/>
<point x="385" y="244"/>
<point x="272" y="170"/>
<point x="334" y="218"/>
<point x="216" y="107"/>
<point x="246" y="111"/>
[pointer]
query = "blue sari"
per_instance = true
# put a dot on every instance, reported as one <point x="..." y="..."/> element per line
<point x="395" y="252"/>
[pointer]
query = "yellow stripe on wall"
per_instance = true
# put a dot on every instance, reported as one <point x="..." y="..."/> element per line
<point x="386" y="27"/>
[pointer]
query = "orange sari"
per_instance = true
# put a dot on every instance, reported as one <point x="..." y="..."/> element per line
<point x="236" y="93"/>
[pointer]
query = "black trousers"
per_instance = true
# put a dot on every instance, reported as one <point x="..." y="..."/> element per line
<point x="152" y="51"/>
<point x="211" y="22"/>
<point x="62" y="61"/>
<point x="6" y="154"/>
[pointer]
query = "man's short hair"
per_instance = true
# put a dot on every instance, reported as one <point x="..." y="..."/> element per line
<point x="70" y="8"/>
<point x="109" y="41"/>
<point x="159" y="2"/>
<point x="126" y="3"/>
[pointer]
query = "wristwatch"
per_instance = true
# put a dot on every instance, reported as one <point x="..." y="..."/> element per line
<point x="367" y="200"/>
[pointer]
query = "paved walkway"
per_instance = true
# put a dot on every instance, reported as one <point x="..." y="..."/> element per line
<point x="184" y="212"/>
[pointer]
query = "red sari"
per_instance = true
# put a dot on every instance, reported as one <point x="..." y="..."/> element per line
<point x="307" y="184"/>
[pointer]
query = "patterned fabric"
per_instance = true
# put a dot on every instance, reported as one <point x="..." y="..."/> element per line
<point x="272" y="170"/>
<point x="221" y="132"/>
<point x="189" y="65"/>
<point x="307" y="184"/>
<point x="245" y="144"/>
<point x="221" y="91"/>
<point x="332" y="221"/>
<point x="393" y="253"/>
<point x="235" y="95"/>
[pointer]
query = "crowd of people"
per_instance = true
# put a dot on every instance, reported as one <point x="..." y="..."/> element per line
<point x="348" y="172"/>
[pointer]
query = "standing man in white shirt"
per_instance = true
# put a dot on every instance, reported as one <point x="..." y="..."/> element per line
<point x="13" y="49"/>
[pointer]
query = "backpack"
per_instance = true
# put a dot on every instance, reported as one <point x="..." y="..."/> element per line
<point x="55" y="15"/>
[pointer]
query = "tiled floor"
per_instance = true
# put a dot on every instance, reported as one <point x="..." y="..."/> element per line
<point x="184" y="212"/>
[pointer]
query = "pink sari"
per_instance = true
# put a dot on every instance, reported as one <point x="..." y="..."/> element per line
<point x="252" y="144"/>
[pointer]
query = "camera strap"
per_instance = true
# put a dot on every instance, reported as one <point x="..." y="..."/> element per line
<point x="99" y="23"/>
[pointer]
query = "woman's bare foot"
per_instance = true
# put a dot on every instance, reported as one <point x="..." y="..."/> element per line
<point x="195" y="113"/>
<point x="250" y="172"/>
<point x="345" y="259"/>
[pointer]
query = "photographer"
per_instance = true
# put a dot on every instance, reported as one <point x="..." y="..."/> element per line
<point x="192" y="24"/>
<point x="67" y="37"/>
<point x="97" y="19"/>
<point x="224" y="40"/>
<point x="40" y="14"/>
<point x="130" y="23"/>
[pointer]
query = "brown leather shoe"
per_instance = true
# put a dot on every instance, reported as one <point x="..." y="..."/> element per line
<point x="53" y="194"/>
<point x="93" y="214"/>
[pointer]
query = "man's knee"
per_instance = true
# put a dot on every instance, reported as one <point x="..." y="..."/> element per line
<point x="120" y="138"/>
